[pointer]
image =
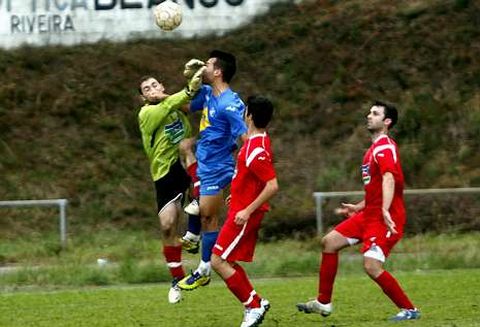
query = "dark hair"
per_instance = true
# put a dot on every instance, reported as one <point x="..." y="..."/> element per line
<point x="390" y="112"/>
<point x="143" y="79"/>
<point x="226" y="62"/>
<point x="261" y="110"/>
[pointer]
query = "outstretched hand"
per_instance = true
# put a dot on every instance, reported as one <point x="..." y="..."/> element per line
<point x="346" y="209"/>
<point x="195" y="83"/>
<point x="192" y="66"/>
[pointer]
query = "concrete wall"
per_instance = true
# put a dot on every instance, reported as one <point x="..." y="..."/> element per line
<point x="68" y="22"/>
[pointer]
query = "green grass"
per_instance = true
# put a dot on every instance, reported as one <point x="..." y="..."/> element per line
<point x="446" y="298"/>
<point x="135" y="257"/>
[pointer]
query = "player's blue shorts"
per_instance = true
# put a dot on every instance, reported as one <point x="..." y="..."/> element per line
<point x="212" y="183"/>
<point x="216" y="165"/>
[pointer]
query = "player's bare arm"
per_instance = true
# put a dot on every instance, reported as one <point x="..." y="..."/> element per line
<point x="271" y="187"/>
<point x="348" y="209"/>
<point x="388" y="188"/>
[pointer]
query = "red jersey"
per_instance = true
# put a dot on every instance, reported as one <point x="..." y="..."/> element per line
<point x="254" y="169"/>
<point x="382" y="157"/>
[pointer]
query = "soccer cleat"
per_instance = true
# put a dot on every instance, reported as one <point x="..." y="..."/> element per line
<point x="193" y="281"/>
<point x="406" y="314"/>
<point x="253" y="317"/>
<point x="265" y="303"/>
<point x="175" y="293"/>
<point x="315" y="307"/>
<point x="193" y="208"/>
<point x="189" y="246"/>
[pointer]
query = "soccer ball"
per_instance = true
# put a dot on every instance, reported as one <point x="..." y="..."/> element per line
<point x="168" y="15"/>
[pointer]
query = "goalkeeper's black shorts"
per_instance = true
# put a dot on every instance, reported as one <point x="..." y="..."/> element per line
<point x="172" y="186"/>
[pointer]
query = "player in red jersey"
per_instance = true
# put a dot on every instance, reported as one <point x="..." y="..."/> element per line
<point x="252" y="186"/>
<point x="377" y="221"/>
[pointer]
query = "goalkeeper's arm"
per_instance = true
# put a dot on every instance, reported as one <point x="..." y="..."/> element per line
<point x="179" y="99"/>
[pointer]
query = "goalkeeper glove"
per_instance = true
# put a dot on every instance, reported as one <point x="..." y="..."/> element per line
<point x="192" y="66"/>
<point x="195" y="83"/>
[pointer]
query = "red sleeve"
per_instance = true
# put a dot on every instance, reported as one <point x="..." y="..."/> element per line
<point x="386" y="158"/>
<point x="262" y="166"/>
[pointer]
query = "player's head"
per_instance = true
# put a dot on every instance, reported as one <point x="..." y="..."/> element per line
<point x="259" y="110"/>
<point x="382" y="116"/>
<point x="220" y="64"/>
<point x="151" y="90"/>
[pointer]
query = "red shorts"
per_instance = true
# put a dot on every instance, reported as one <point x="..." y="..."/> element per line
<point x="237" y="242"/>
<point x="371" y="230"/>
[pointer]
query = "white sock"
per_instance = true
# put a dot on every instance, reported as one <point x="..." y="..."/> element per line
<point x="191" y="237"/>
<point x="204" y="268"/>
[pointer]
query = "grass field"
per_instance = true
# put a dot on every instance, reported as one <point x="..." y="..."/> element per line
<point x="446" y="298"/>
<point x="134" y="258"/>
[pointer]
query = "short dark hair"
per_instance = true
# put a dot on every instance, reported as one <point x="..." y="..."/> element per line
<point x="143" y="79"/>
<point x="261" y="110"/>
<point x="389" y="110"/>
<point x="226" y="62"/>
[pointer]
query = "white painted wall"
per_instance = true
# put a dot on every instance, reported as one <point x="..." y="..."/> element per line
<point x="68" y="22"/>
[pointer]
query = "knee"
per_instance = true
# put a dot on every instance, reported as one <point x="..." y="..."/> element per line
<point x="328" y="244"/>
<point x="166" y="223"/>
<point x="324" y="242"/>
<point x="372" y="269"/>
<point x="216" y="262"/>
<point x="206" y="219"/>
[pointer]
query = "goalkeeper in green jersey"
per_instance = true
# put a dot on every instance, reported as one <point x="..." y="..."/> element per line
<point x="163" y="126"/>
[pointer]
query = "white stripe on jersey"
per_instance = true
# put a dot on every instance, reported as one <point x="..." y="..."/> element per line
<point x="255" y="151"/>
<point x="252" y="155"/>
<point x="390" y="147"/>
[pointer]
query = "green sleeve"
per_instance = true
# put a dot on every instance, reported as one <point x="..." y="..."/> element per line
<point x="177" y="100"/>
<point x="152" y="115"/>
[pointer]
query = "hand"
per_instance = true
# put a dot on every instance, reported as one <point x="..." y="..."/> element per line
<point x="192" y="66"/>
<point x="242" y="217"/>
<point x="195" y="82"/>
<point x="392" y="227"/>
<point x="346" y="209"/>
<point x="156" y="98"/>
<point x="227" y="199"/>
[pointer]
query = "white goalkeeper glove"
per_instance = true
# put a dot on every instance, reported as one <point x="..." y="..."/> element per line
<point x="192" y="66"/>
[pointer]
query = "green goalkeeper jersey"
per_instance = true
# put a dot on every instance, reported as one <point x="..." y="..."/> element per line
<point x="163" y="126"/>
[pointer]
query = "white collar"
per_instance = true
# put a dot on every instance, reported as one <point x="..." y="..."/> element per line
<point x="381" y="136"/>
<point x="258" y="135"/>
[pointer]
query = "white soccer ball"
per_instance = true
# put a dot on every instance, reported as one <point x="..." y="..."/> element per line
<point x="168" y="15"/>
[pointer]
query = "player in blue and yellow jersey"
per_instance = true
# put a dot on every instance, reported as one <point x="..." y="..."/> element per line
<point x="221" y="126"/>
<point x="163" y="126"/>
